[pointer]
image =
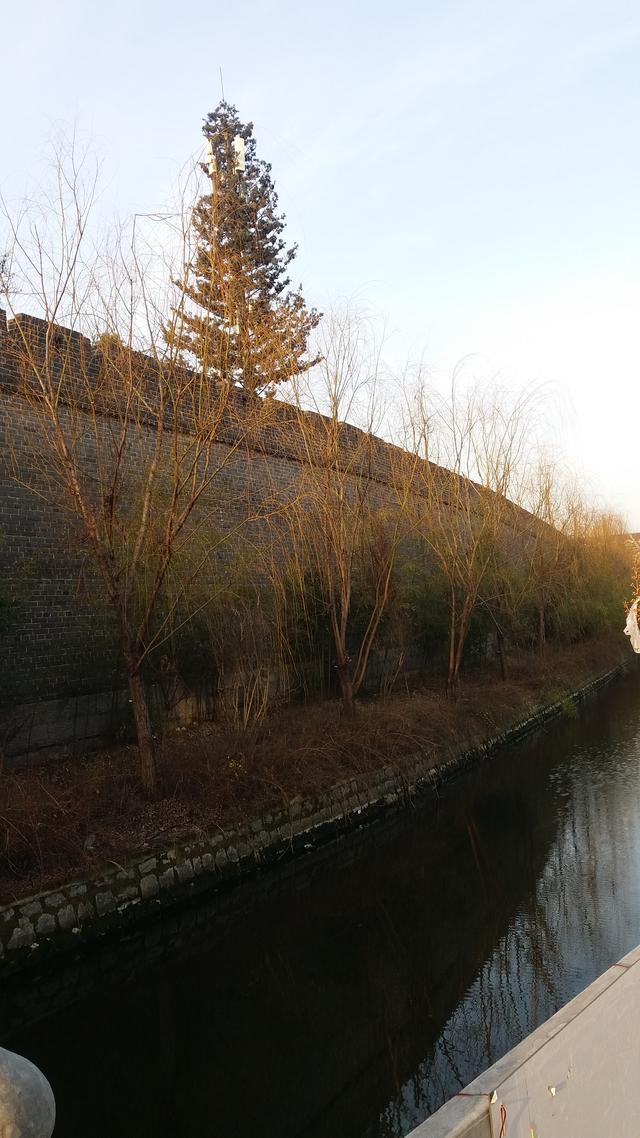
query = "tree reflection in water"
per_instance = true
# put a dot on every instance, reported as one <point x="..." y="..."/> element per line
<point x="582" y="914"/>
<point x="354" y="992"/>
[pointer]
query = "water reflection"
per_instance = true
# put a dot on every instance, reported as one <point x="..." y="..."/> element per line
<point x="353" y="994"/>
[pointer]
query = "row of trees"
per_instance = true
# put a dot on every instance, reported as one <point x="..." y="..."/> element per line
<point x="478" y="535"/>
<point x="159" y="459"/>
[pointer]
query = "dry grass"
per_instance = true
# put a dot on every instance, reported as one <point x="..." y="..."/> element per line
<point x="67" y="819"/>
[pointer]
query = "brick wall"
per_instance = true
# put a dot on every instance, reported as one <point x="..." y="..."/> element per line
<point x="59" y="669"/>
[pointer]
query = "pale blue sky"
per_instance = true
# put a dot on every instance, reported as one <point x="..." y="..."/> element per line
<point x="470" y="170"/>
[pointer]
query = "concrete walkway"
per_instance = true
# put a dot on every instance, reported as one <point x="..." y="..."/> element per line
<point x="576" y="1076"/>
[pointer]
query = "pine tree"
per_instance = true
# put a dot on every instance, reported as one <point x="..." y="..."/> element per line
<point x="239" y="317"/>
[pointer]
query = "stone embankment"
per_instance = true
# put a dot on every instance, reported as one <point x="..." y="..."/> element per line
<point x="127" y="894"/>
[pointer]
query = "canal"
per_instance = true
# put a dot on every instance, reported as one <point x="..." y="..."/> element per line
<point x="349" y="994"/>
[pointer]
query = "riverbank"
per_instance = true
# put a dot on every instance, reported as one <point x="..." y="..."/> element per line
<point x="161" y="853"/>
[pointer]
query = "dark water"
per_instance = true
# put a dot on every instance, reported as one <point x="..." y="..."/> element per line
<point x="349" y="995"/>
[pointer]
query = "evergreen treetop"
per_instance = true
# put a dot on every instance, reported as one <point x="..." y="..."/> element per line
<point x="240" y="318"/>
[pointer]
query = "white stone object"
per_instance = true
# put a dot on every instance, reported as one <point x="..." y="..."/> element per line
<point x="631" y="627"/>
<point x="27" y="1105"/>
<point x="239" y="153"/>
<point x="211" y="159"/>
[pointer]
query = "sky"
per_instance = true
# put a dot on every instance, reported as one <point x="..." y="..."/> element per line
<point x="470" y="172"/>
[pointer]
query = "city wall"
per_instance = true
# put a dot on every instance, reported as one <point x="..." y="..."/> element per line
<point x="61" y="682"/>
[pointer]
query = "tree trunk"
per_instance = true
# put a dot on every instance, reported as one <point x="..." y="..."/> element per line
<point x="542" y="637"/>
<point x="503" y="666"/>
<point x="462" y="635"/>
<point x="465" y="621"/>
<point x="346" y="690"/>
<point x="452" y="643"/>
<point x="144" y="737"/>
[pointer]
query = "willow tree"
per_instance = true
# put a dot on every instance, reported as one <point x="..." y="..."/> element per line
<point x="237" y="304"/>
<point x="462" y="505"/>
<point x="345" y="527"/>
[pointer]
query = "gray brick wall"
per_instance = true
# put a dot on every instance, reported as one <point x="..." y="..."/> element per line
<point x="58" y="656"/>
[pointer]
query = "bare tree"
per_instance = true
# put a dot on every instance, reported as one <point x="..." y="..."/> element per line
<point x="345" y="523"/>
<point x="473" y="449"/>
<point x="132" y="445"/>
